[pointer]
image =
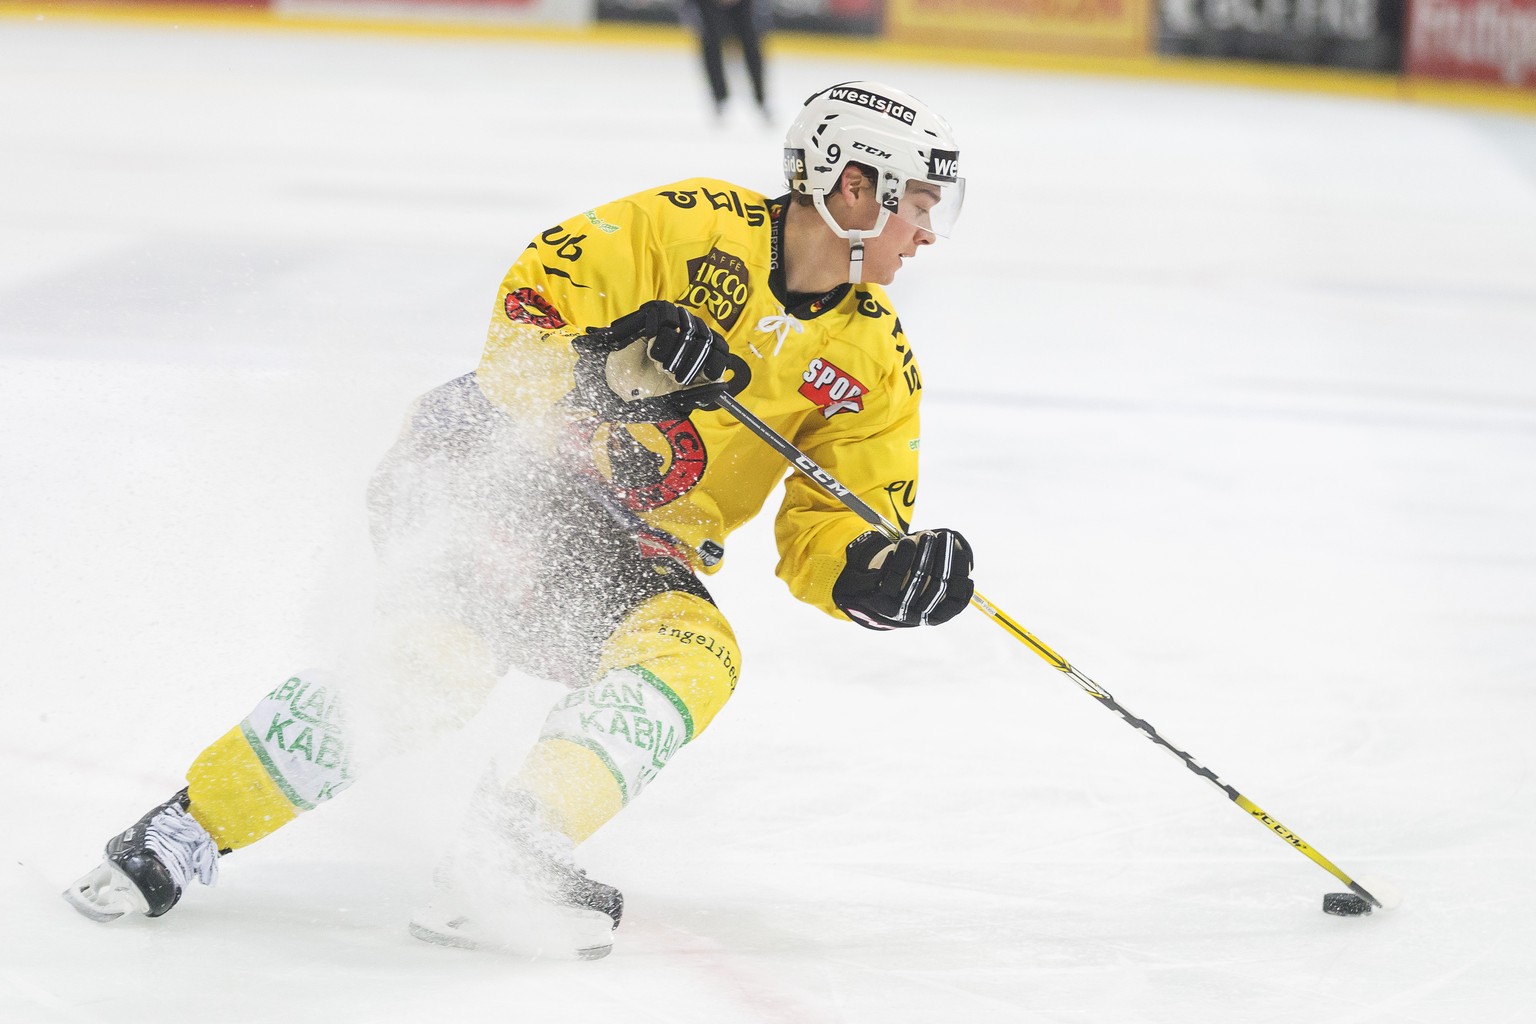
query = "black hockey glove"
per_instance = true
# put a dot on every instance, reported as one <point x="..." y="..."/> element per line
<point x="680" y="343"/>
<point x="924" y="578"/>
<point x="658" y="361"/>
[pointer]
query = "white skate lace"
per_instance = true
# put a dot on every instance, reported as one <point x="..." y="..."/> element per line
<point x="183" y="846"/>
<point x="780" y="323"/>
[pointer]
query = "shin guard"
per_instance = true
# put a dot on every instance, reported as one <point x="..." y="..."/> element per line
<point x="288" y="755"/>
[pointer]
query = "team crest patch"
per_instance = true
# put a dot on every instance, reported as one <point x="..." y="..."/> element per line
<point x="646" y="478"/>
<point x="718" y="282"/>
<point x="526" y="306"/>
<point x="831" y="389"/>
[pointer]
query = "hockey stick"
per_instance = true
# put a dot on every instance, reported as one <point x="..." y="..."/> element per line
<point x="806" y="465"/>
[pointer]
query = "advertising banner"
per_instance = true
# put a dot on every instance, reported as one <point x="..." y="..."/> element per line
<point x="661" y="12"/>
<point x="488" y="12"/>
<point x="1113" y="28"/>
<point x="837" y="17"/>
<point x="844" y="17"/>
<point x="1474" y="40"/>
<point x="1363" y="35"/>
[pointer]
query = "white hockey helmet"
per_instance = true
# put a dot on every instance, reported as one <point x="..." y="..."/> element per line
<point x="884" y="128"/>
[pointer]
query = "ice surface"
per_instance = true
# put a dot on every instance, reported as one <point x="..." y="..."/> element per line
<point x="1234" y="393"/>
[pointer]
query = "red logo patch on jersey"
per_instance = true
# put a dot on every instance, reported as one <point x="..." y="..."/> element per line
<point x="646" y="479"/>
<point x="526" y="306"/>
<point x="832" y="390"/>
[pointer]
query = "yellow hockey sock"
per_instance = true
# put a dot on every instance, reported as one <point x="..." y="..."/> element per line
<point x="572" y="783"/>
<point x="233" y="796"/>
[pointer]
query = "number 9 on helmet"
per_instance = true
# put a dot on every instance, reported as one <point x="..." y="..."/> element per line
<point x="911" y="148"/>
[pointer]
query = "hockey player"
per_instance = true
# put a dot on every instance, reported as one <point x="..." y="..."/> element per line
<point x="569" y="491"/>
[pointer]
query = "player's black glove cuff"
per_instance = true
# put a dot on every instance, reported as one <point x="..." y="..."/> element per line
<point x="924" y="578"/>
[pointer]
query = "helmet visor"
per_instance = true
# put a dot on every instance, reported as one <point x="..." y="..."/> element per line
<point x="930" y="206"/>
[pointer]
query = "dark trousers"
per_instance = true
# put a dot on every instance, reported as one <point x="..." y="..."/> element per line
<point x="716" y="22"/>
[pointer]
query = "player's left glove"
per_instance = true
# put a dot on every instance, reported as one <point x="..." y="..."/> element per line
<point x="922" y="579"/>
<point x="659" y="361"/>
<point x="680" y="344"/>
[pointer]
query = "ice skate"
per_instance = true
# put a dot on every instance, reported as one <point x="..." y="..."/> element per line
<point x="148" y="867"/>
<point x="515" y="887"/>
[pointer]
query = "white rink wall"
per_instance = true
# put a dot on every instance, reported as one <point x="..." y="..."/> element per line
<point x="1234" y="393"/>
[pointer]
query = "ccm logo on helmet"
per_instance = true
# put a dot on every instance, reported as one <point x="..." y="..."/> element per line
<point x="943" y="165"/>
<point x="874" y="101"/>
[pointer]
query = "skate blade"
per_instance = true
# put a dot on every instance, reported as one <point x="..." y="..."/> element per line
<point x="460" y="932"/>
<point x="445" y="934"/>
<point x="105" y="894"/>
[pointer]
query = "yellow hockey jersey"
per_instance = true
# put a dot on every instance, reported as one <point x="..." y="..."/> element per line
<point x="832" y="373"/>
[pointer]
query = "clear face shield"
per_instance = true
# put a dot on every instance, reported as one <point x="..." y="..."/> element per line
<point x="931" y="206"/>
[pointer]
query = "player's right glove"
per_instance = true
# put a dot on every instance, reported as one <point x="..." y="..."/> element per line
<point x="922" y="579"/>
<point x="659" y="360"/>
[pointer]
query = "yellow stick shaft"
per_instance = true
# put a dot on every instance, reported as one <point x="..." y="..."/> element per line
<point x="854" y="503"/>
<point x="1104" y="697"/>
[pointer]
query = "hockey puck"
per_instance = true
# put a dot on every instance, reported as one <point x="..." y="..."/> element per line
<point x="1345" y="904"/>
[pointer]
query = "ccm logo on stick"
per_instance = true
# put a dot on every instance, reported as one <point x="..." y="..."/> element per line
<point x="821" y="476"/>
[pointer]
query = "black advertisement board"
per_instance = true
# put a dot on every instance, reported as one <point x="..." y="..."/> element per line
<point x="837" y="17"/>
<point x="1363" y="35"/>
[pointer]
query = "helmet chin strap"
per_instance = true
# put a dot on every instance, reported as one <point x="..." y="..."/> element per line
<point x="855" y="236"/>
<point x="855" y="257"/>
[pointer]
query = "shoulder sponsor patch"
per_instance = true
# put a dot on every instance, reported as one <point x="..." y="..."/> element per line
<point x="831" y="389"/>
<point x="527" y="306"/>
<point x="598" y="222"/>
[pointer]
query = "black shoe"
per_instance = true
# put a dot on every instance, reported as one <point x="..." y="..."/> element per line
<point x="149" y="866"/>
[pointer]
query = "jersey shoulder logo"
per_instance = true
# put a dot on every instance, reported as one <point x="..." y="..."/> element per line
<point x="598" y="222"/>
<point x="870" y="306"/>
<point x="728" y="200"/>
<point x="831" y="389"/>
<point x="527" y="306"/>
